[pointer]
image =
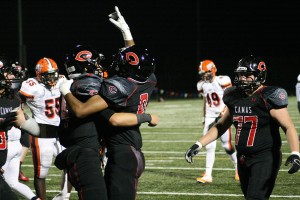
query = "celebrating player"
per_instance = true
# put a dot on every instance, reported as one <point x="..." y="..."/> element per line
<point x="128" y="89"/>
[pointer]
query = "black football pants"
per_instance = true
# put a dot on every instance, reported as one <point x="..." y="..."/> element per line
<point x="124" y="166"/>
<point x="258" y="174"/>
<point x="85" y="175"/>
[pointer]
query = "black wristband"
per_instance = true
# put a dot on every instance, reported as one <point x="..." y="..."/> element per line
<point x="143" y="118"/>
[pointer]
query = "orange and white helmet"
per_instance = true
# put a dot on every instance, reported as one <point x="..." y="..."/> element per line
<point x="207" y="65"/>
<point x="47" y="71"/>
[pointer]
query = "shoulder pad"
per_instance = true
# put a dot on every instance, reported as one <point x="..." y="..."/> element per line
<point x="224" y="81"/>
<point x="152" y="78"/>
<point x="276" y="97"/>
<point x="200" y="85"/>
<point x="29" y="87"/>
<point x="115" y="89"/>
<point x="228" y="94"/>
<point x="86" y="85"/>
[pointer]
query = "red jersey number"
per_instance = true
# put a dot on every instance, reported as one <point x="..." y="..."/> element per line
<point x="143" y="103"/>
<point x="213" y="99"/>
<point x="241" y="121"/>
<point x="3" y="142"/>
<point x="52" y="107"/>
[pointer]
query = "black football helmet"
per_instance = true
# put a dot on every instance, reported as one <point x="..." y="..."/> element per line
<point x="134" y="62"/>
<point x="83" y="59"/>
<point x="11" y="76"/>
<point x="250" y="65"/>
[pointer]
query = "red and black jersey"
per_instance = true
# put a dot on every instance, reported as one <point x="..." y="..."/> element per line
<point x="126" y="95"/>
<point x="256" y="130"/>
<point x="7" y="104"/>
<point x="75" y="131"/>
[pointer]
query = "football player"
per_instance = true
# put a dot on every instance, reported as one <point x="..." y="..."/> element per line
<point x="257" y="111"/>
<point x="128" y="89"/>
<point x="83" y="67"/>
<point x="212" y="87"/>
<point x="11" y="122"/>
<point x="42" y="96"/>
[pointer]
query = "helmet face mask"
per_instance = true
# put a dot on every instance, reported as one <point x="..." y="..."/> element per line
<point x="47" y="72"/>
<point x="207" y="70"/>
<point x="250" y="73"/>
<point x="11" y="77"/>
<point x="134" y="62"/>
<point x="83" y="59"/>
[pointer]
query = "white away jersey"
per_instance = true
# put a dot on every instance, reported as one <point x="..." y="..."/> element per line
<point x="213" y="92"/>
<point x="44" y="103"/>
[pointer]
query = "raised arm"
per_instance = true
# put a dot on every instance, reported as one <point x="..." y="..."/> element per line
<point x="118" y="20"/>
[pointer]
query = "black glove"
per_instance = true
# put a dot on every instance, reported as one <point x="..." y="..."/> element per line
<point x="295" y="161"/>
<point x="8" y="119"/>
<point x="192" y="151"/>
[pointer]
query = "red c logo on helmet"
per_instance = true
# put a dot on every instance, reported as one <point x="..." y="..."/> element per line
<point x="83" y="56"/>
<point x="261" y="66"/>
<point x="132" y="58"/>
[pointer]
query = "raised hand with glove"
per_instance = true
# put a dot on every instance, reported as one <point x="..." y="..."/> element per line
<point x="118" y="20"/>
<point x="293" y="159"/>
<point x="192" y="151"/>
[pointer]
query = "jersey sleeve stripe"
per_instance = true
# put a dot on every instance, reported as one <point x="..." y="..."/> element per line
<point x="26" y="95"/>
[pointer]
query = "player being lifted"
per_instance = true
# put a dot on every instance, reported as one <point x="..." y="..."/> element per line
<point x="212" y="87"/>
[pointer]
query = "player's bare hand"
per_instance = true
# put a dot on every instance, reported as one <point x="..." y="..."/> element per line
<point x="154" y="120"/>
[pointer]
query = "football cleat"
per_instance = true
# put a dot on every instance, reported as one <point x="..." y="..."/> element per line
<point x="204" y="179"/>
<point x="61" y="196"/>
<point x="22" y="177"/>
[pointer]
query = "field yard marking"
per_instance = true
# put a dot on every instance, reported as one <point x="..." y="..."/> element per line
<point x="210" y="194"/>
<point x="197" y="168"/>
<point x="190" y="194"/>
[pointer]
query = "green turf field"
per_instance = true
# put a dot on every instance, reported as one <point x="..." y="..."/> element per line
<point x="169" y="176"/>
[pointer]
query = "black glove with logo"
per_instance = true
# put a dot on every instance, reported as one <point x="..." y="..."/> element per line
<point x="192" y="151"/>
<point x="295" y="161"/>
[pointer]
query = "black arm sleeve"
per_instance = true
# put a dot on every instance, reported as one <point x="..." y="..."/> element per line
<point x="106" y="114"/>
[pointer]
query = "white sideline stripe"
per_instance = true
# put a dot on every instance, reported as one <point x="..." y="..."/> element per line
<point x="171" y="133"/>
<point x="199" y="168"/>
<point x="190" y="194"/>
<point x="190" y="141"/>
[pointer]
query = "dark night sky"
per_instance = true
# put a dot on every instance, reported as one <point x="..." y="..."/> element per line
<point x="180" y="34"/>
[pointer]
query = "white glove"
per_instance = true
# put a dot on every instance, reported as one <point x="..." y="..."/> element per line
<point x="65" y="86"/>
<point x="118" y="20"/>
